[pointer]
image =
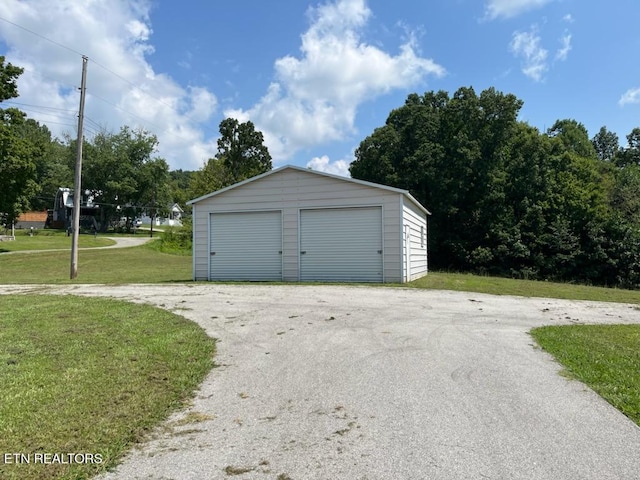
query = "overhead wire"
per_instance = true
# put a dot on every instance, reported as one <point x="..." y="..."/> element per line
<point x="108" y="70"/>
<point x="41" y="36"/>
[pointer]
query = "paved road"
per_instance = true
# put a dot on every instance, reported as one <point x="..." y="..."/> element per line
<point x="333" y="382"/>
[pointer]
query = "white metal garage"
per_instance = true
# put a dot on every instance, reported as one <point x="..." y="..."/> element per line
<point x="341" y="244"/>
<point x="246" y="246"/>
<point x="295" y="224"/>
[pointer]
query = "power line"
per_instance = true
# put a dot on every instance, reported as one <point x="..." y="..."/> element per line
<point x="44" y="107"/>
<point x="135" y="87"/>
<point x="41" y="36"/>
<point x="145" y="121"/>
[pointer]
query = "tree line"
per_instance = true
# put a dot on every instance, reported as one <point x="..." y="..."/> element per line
<point x="508" y="199"/>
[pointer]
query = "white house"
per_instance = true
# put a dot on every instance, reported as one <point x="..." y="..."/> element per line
<point x="295" y="224"/>
<point x="174" y="219"/>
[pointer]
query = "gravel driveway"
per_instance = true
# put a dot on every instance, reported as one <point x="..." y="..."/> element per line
<point x="334" y="382"/>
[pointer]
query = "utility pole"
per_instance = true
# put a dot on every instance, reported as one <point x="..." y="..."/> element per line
<point x="77" y="192"/>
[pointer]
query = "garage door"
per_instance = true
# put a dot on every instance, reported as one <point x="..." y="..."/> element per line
<point x="246" y="246"/>
<point x="341" y="244"/>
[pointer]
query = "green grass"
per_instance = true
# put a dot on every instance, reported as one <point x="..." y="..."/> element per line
<point x="526" y="288"/>
<point x="605" y="357"/>
<point x="49" y="240"/>
<point x="141" y="264"/>
<point x="89" y="375"/>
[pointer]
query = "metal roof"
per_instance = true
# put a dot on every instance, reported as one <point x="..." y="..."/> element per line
<point x="315" y="172"/>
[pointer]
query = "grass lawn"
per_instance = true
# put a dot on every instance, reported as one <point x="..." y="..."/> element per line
<point x="605" y="357"/>
<point x="51" y="239"/>
<point x="526" y="288"/>
<point x="89" y="375"/>
<point x="142" y="264"/>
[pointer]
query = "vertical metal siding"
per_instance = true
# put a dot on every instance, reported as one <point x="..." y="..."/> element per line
<point x="415" y="242"/>
<point x="246" y="246"/>
<point x="341" y="244"/>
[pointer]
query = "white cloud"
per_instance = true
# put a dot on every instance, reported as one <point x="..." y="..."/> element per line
<point x="315" y="96"/>
<point x="114" y="34"/>
<point x="526" y="45"/>
<point x="563" y="51"/>
<point x="630" y="96"/>
<point x="323" y="164"/>
<point x="511" y="8"/>
<point x="568" y="18"/>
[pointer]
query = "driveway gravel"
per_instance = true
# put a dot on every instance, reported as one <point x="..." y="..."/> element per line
<point x="336" y="382"/>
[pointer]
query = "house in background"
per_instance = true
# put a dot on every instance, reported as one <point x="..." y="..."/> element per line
<point x="296" y="224"/>
<point x="32" y="220"/>
<point x="174" y="218"/>
<point x="61" y="216"/>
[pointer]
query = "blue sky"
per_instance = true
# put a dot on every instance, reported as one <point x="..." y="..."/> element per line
<point x="315" y="77"/>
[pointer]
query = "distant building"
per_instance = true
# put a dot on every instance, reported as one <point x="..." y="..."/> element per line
<point x="62" y="212"/>
<point x="174" y="219"/>
<point x="32" y="220"/>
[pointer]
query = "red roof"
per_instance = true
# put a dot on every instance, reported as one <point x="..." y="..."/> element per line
<point x="33" y="217"/>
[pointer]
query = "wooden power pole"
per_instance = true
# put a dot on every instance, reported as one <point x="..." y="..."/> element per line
<point x="77" y="189"/>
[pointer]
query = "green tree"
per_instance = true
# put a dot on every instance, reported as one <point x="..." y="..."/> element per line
<point x="631" y="154"/>
<point x="625" y="197"/>
<point x="505" y="198"/>
<point x="242" y="151"/>
<point x="180" y="182"/>
<point x="17" y="167"/>
<point x="605" y="144"/>
<point x="54" y="168"/>
<point x="154" y="189"/>
<point x="211" y="177"/>
<point x="449" y="153"/>
<point x="113" y="172"/>
<point x="241" y="155"/>
<point x="8" y="80"/>
<point x="573" y="137"/>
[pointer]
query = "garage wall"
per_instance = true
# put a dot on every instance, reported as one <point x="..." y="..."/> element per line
<point x="415" y="241"/>
<point x="290" y="190"/>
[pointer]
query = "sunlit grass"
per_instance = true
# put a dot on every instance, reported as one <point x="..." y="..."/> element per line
<point x="50" y="240"/>
<point x="605" y="357"/>
<point x="526" y="288"/>
<point x="88" y="375"/>
<point x="141" y="264"/>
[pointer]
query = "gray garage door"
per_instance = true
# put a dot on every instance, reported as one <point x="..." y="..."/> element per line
<point x="341" y="244"/>
<point x="246" y="246"/>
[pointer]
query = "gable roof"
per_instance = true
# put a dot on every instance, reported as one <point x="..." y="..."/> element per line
<point x="314" y="172"/>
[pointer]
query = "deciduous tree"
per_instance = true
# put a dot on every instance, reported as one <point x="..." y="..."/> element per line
<point x="17" y="167"/>
<point x="605" y="144"/>
<point x="242" y="151"/>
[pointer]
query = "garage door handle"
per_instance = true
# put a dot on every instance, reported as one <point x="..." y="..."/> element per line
<point x="280" y="252"/>
<point x="380" y="252"/>
<point x="213" y="253"/>
<point x="302" y="253"/>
